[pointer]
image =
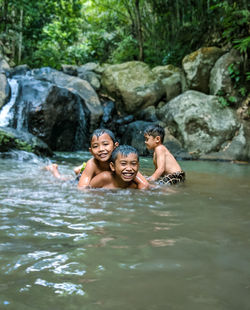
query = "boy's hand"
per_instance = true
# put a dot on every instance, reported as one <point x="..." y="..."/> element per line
<point x="151" y="179"/>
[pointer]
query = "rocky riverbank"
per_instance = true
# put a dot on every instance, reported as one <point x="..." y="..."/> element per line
<point x="62" y="108"/>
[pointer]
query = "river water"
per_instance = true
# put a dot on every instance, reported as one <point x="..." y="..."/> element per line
<point x="182" y="247"/>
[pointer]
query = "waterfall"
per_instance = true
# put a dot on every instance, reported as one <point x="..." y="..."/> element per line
<point x="6" y="114"/>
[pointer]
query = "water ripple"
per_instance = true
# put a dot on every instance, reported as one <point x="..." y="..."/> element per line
<point x="55" y="223"/>
<point x="49" y="263"/>
<point x="61" y="235"/>
<point x="64" y="288"/>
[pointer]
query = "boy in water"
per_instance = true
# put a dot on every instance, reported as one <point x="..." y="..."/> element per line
<point x="124" y="165"/>
<point x="167" y="170"/>
<point x="102" y="144"/>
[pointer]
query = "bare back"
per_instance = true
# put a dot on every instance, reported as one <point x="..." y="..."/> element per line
<point x="164" y="162"/>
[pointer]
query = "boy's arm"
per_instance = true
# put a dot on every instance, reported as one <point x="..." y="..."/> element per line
<point x="141" y="181"/>
<point x="87" y="174"/>
<point x="160" y="164"/>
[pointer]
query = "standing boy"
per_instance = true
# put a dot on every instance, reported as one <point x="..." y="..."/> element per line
<point x="124" y="165"/>
<point x="167" y="170"/>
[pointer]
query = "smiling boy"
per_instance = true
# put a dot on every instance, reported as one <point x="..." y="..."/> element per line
<point x="102" y="144"/>
<point x="124" y="165"/>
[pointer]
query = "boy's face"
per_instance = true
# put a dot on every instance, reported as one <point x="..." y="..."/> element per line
<point x="151" y="142"/>
<point x="102" y="147"/>
<point x="126" y="167"/>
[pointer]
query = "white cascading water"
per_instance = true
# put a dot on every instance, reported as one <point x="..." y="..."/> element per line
<point x="5" y="113"/>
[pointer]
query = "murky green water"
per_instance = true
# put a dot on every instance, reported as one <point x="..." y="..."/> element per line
<point x="184" y="247"/>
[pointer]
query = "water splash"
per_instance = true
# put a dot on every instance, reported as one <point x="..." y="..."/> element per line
<point x="6" y="114"/>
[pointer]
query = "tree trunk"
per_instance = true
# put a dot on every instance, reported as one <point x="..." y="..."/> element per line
<point x="177" y="12"/>
<point x="5" y="14"/>
<point x="13" y="37"/>
<point x="139" y="30"/>
<point x="208" y="4"/>
<point x="20" y="37"/>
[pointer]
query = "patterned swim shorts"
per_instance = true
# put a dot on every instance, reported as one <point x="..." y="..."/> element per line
<point x="172" y="178"/>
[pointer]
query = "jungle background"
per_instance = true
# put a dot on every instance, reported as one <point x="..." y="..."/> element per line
<point x="159" y="32"/>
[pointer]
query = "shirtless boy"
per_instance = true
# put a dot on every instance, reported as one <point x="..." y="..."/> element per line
<point x="102" y="144"/>
<point x="124" y="165"/>
<point x="167" y="169"/>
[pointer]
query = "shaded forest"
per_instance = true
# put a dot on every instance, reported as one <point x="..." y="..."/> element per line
<point x="158" y="32"/>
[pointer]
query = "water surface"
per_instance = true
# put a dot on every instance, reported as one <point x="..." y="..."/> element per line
<point x="182" y="247"/>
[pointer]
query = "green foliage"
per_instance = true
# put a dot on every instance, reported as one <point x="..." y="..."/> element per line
<point x="175" y="54"/>
<point x="234" y="71"/>
<point x="99" y="44"/>
<point x="126" y="50"/>
<point x="243" y="91"/>
<point x="223" y="102"/>
<point x="78" y="31"/>
<point x="239" y="78"/>
<point x="242" y="44"/>
<point x="232" y="99"/>
<point x="234" y="22"/>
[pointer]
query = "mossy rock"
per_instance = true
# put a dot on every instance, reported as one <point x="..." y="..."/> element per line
<point x="11" y="139"/>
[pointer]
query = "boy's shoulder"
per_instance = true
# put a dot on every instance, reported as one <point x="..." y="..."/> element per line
<point x="161" y="149"/>
<point x="92" y="163"/>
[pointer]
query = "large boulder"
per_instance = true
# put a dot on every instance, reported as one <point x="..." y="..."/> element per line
<point x="86" y="72"/>
<point x="4" y="89"/>
<point x="197" y="67"/>
<point x="54" y="114"/>
<point x="174" y="145"/>
<point x="11" y="139"/>
<point x="4" y="85"/>
<point x="4" y="66"/>
<point x="173" y="79"/>
<point x="199" y="122"/>
<point x="18" y="70"/>
<point x="133" y="85"/>
<point x="147" y="114"/>
<point x="75" y="85"/>
<point x="220" y="80"/>
<point x="238" y="148"/>
<point x="69" y="69"/>
<point x="135" y="136"/>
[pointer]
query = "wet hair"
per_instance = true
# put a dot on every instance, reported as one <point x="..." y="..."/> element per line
<point x="154" y="131"/>
<point x="99" y="132"/>
<point x="124" y="150"/>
